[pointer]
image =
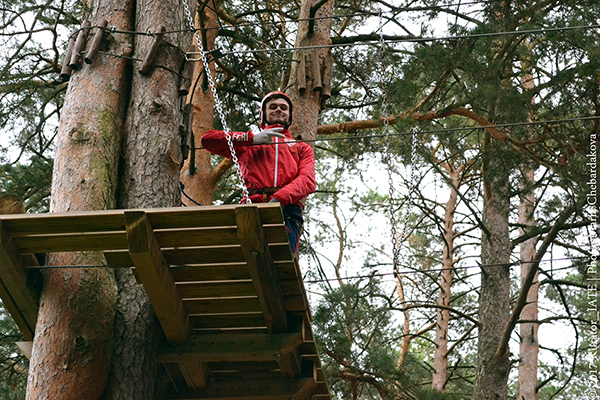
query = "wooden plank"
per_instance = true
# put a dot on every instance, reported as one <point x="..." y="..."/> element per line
<point x="230" y="305"/>
<point x="154" y="274"/>
<point x="201" y="255"/>
<point x="212" y="236"/>
<point x="13" y="309"/>
<point x="281" y="251"/>
<point x="211" y="272"/>
<point x="72" y="242"/>
<point x="112" y="220"/>
<point x="232" y="321"/>
<point x="71" y="222"/>
<point x="18" y="296"/>
<point x="221" y="376"/>
<point x="228" y="366"/>
<point x="262" y="270"/>
<point x="219" y="289"/>
<point x="233" y="348"/>
<point x="204" y="255"/>
<point x="262" y="389"/>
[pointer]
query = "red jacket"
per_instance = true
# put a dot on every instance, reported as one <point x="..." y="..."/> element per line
<point x="286" y="164"/>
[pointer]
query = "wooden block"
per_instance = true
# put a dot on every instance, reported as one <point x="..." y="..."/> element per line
<point x="93" y="50"/>
<point x="156" y="40"/>
<point x="152" y="270"/>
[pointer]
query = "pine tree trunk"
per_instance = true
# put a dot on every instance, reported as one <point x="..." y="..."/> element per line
<point x="307" y="103"/>
<point x="199" y="182"/>
<point x="72" y="343"/>
<point x="440" y="358"/>
<point x="529" y="346"/>
<point x="150" y="178"/>
<point x="492" y="372"/>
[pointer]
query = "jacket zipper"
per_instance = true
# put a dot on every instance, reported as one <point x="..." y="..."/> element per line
<point x="276" y="161"/>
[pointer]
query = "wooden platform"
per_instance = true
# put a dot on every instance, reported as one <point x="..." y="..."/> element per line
<point x="222" y="280"/>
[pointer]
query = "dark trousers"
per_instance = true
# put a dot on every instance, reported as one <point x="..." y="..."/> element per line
<point x="293" y="224"/>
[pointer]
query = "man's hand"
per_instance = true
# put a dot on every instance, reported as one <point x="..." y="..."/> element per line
<point x="266" y="136"/>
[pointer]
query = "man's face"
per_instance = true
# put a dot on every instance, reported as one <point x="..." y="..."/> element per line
<point x="277" y="112"/>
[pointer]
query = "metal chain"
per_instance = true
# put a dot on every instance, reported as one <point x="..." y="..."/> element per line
<point x="218" y="105"/>
<point x="396" y="241"/>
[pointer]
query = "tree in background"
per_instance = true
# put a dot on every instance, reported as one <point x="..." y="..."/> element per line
<point x="476" y="79"/>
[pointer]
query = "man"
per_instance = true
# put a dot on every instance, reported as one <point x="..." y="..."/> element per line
<point x="275" y="167"/>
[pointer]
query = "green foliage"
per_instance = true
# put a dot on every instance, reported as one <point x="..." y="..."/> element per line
<point x="30" y="182"/>
<point x="13" y="364"/>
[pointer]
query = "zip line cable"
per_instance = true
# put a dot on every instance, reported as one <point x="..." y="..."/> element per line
<point x="418" y="39"/>
<point x="509" y="264"/>
<point x="374" y="42"/>
<point x="435" y="131"/>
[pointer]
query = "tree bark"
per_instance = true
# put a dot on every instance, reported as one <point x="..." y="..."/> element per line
<point x="72" y="343"/>
<point x="152" y="157"/>
<point x="440" y="357"/>
<point x="307" y="103"/>
<point x="198" y="179"/>
<point x="492" y="371"/>
<point x="529" y="345"/>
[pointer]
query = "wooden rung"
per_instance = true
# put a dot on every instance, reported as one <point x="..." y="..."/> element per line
<point x="156" y="40"/>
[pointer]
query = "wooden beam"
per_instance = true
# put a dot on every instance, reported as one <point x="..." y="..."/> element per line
<point x="146" y="255"/>
<point x="260" y="389"/>
<point x="20" y="300"/>
<point x="260" y="264"/>
<point x="289" y="364"/>
<point x="231" y="348"/>
<point x="289" y="360"/>
<point x="195" y="374"/>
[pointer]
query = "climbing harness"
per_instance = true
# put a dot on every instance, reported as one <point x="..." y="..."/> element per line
<point x="218" y="105"/>
<point x="396" y="241"/>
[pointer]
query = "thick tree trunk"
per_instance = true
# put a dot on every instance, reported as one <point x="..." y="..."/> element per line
<point x="198" y="179"/>
<point x="492" y="372"/>
<point x="152" y="157"/>
<point x="72" y="342"/>
<point x="440" y="357"/>
<point x="529" y="346"/>
<point x="307" y="102"/>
